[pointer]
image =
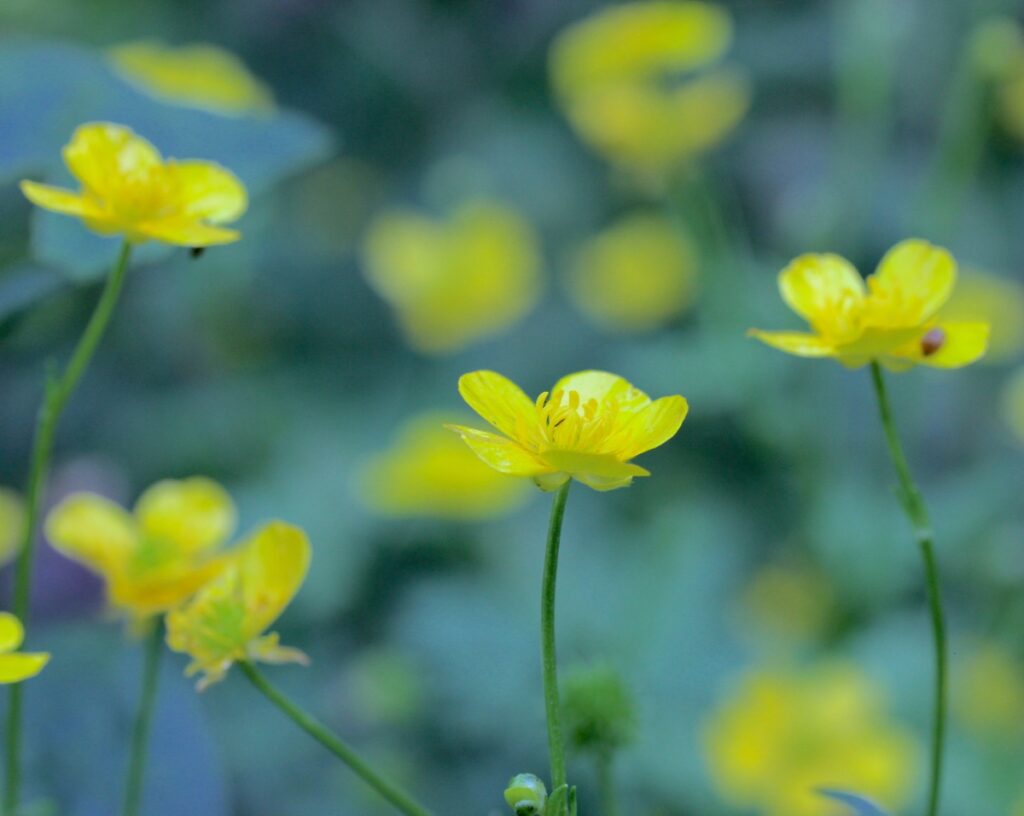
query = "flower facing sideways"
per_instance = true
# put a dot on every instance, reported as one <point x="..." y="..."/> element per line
<point x="16" y="666"/>
<point x="588" y="428"/>
<point x="892" y="317"/>
<point x="225" y="621"/>
<point x="156" y="557"/>
<point x="128" y="189"/>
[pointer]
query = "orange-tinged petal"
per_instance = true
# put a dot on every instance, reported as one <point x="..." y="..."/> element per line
<point x="100" y="153"/>
<point x="93" y="531"/>
<point x="500" y="453"/>
<point x="498" y="400"/>
<point x="62" y="201"/>
<point x="184" y="233"/>
<point x="208" y="192"/>
<point x="912" y="282"/>
<point x="798" y="343"/>
<point x="654" y="425"/>
<point x="12" y="633"/>
<point x="195" y="514"/>
<point x="948" y="345"/>
<point x="826" y="291"/>
<point x="21" y="666"/>
<point x="605" y="388"/>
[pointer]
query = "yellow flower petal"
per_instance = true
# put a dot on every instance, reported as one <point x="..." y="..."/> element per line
<point x="272" y="566"/>
<point x="827" y="292"/>
<point x="208" y="192"/>
<point x="606" y="388"/>
<point x="100" y="154"/>
<point x="913" y="281"/>
<point x="708" y="108"/>
<point x="93" y="531"/>
<point x="599" y="471"/>
<point x="194" y="514"/>
<point x="184" y="233"/>
<point x="502" y="454"/>
<point x="654" y="425"/>
<point x="998" y="301"/>
<point x="798" y="343"/>
<point x="498" y="400"/>
<point x="62" y="201"/>
<point x="947" y="345"/>
<point x="14" y="668"/>
<point x="12" y="633"/>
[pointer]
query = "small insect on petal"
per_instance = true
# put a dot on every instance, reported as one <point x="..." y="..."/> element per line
<point x="932" y="342"/>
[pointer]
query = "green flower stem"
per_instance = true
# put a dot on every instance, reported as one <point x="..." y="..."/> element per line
<point x="553" y="707"/>
<point x="918" y="515"/>
<point x="58" y="393"/>
<point x="401" y="800"/>
<point x="143" y="721"/>
<point x="606" y="784"/>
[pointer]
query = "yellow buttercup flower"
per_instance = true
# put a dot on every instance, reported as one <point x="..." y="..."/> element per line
<point x="12" y="523"/>
<point x="588" y="428"/>
<point x="619" y="77"/>
<point x="226" y="620"/>
<point x="980" y="297"/>
<point x="989" y="693"/>
<point x="156" y="557"/>
<point x="455" y="282"/>
<point x="16" y="666"/>
<point x="638" y="274"/>
<point x="430" y="472"/>
<point x="784" y="734"/>
<point x="1013" y="404"/>
<point x="198" y="75"/>
<point x="893" y="318"/>
<point x="128" y="189"/>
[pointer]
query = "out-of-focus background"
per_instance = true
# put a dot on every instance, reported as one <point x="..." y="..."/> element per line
<point x="439" y="187"/>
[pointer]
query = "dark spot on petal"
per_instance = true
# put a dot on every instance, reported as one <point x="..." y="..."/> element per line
<point x="932" y="341"/>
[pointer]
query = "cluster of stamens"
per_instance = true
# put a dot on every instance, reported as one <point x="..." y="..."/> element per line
<point x="565" y="422"/>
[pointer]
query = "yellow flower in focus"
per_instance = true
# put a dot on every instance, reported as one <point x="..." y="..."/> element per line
<point x="430" y="472"/>
<point x="156" y="557"/>
<point x="198" y="75"/>
<point x="226" y="620"/>
<point x="452" y="283"/>
<point x="980" y="297"/>
<point x="782" y="735"/>
<point x="12" y="524"/>
<point x="1013" y="404"/>
<point x="638" y="274"/>
<point x="892" y="318"/>
<point x="618" y="75"/>
<point x="128" y="189"/>
<point x="588" y="428"/>
<point x="989" y="696"/>
<point x="16" y="666"/>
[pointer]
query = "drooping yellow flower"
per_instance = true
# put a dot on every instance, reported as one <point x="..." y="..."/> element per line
<point x="620" y="77"/>
<point x="12" y="523"/>
<point x="156" y="557"/>
<point x="784" y="734"/>
<point x="226" y="620"/>
<point x="430" y="472"/>
<point x="980" y="297"/>
<point x="455" y="282"/>
<point x="1013" y="404"/>
<point x="128" y="189"/>
<point x="16" y="666"/>
<point x="892" y="319"/>
<point x="199" y="75"/>
<point x="638" y="274"/>
<point x="989" y="692"/>
<point x="588" y="428"/>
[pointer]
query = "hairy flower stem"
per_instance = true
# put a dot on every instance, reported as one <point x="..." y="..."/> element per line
<point x="913" y="504"/>
<point x="143" y="721"/>
<point x="397" y="797"/>
<point x="58" y="393"/>
<point x="553" y="707"/>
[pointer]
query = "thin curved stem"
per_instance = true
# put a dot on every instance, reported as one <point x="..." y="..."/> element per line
<point x="552" y="704"/>
<point x="58" y="393"/>
<point x="916" y="511"/>
<point x="143" y="722"/>
<point x="392" y="793"/>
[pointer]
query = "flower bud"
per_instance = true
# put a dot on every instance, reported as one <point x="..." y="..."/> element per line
<point x="526" y="795"/>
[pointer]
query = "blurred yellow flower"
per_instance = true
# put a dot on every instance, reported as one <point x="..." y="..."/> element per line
<point x="1013" y="404"/>
<point x="980" y="297"/>
<point x="198" y="75"/>
<point x="784" y="734"/>
<point x="16" y="666"/>
<point x="454" y="282"/>
<point x="638" y="274"/>
<point x="989" y="697"/>
<point x="792" y="602"/>
<point x="430" y="472"/>
<point x="12" y="523"/>
<point x="128" y="189"/>
<point x="156" y="557"/>
<point x="894" y="319"/>
<point x="588" y="428"/>
<point x="226" y="620"/>
<point x="618" y="76"/>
